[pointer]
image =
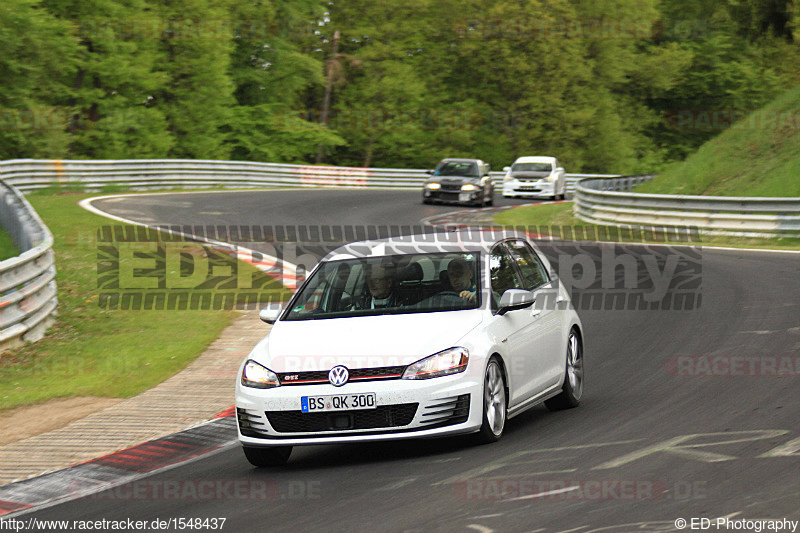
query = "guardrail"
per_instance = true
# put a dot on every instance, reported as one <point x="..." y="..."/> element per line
<point x="27" y="175"/>
<point x="602" y="201"/>
<point x="27" y="282"/>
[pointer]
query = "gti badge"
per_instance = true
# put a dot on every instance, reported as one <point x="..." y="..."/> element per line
<point x="338" y="376"/>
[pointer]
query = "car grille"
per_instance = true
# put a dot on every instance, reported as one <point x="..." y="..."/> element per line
<point x="447" y="411"/>
<point x="385" y="416"/>
<point x="528" y="188"/>
<point x="356" y="374"/>
<point x="455" y="187"/>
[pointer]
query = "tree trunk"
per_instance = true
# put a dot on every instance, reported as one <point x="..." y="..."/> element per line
<point x="326" y="101"/>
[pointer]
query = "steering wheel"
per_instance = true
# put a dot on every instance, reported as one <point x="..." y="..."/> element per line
<point x="449" y="293"/>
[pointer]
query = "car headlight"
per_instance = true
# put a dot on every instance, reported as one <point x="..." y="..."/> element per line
<point x="551" y="177"/>
<point x="469" y="187"/>
<point x="433" y="186"/>
<point x="258" y="376"/>
<point x="507" y="178"/>
<point x="450" y="361"/>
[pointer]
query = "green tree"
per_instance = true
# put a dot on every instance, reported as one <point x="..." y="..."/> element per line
<point x="39" y="57"/>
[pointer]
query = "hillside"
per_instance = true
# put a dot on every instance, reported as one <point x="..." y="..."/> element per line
<point x="758" y="156"/>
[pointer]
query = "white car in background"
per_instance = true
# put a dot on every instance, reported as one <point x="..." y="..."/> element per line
<point x="417" y="336"/>
<point x="535" y="177"/>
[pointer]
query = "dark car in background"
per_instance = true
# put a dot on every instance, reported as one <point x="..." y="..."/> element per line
<point x="459" y="181"/>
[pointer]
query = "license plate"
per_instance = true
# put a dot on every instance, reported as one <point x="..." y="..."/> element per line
<point x="463" y="197"/>
<point x="339" y="402"/>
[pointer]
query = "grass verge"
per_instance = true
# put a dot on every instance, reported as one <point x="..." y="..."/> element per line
<point x="91" y="351"/>
<point x="7" y="247"/>
<point x="759" y="155"/>
<point x="560" y="214"/>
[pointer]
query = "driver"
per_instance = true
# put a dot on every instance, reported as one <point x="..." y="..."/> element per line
<point x="461" y="279"/>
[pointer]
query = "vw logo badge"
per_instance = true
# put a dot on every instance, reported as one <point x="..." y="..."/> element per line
<point x="338" y="376"/>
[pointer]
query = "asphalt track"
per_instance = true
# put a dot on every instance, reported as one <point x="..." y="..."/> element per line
<point x="683" y="415"/>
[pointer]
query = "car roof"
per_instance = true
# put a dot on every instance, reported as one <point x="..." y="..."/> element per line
<point x="536" y="159"/>
<point x="470" y="240"/>
<point x="458" y="160"/>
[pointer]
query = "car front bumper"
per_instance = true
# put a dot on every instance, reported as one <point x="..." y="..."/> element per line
<point x="404" y="409"/>
<point x="452" y="197"/>
<point x="532" y="189"/>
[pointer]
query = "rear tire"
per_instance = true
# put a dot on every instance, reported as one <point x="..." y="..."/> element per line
<point x="495" y="404"/>
<point x="572" y="389"/>
<point x="267" y="456"/>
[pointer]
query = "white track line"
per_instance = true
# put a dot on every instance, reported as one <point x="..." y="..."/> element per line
<point x="286" y="274"/>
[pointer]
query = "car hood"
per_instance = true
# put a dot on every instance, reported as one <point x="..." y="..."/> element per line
<point x="362" y="342"/>
<point x="530" y="174"/>
<point x="456" y="179"/>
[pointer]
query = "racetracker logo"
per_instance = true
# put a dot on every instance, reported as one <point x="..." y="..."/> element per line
<point x="201" y="490"/>
<point x="517" y="489"/>
<point x="733" y="366"/>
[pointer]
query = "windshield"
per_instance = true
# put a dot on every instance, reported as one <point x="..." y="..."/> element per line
<point x="399" y="284"/>
<point x="453" y="168"/>
<point x="531" y="167"/>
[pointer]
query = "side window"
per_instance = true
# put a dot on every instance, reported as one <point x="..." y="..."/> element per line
<point x="533" y="272"/>
<point x="503" y="276"/>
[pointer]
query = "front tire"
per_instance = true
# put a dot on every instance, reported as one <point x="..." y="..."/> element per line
<point x="572" y="389"/>
<point x="495" y="406"/>
<point x="263" y="457"/>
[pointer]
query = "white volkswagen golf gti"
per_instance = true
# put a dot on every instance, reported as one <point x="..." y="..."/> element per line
<point x="418" y="336"/>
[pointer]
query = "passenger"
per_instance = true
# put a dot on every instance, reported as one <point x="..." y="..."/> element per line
<point x="461" y="279"/>
<point x="381" y="285"/>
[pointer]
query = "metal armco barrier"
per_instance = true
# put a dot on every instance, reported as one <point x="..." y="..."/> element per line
<point x="28" y="174"/>
<point x="27" y="282"/>
<point x="602" y="201"/>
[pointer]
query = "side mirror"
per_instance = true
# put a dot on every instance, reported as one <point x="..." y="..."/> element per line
<point x="514" y="299"/>
<point x="506" y="169"/>
<point x="429" y="172"/>
<point x="270" y="313"/>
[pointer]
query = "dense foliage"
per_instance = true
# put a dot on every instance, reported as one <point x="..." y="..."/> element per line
<point x="614" y="86"/>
